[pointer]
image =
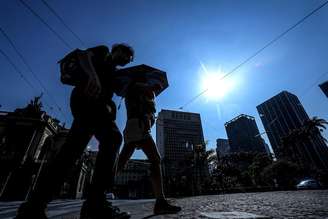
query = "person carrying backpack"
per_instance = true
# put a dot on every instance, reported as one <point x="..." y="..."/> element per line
<point x="91" y="72"/>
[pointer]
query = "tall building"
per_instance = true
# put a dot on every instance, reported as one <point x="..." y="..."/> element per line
<point x="222" y="147"/>
<point x="243" y="135"/>
<point x="177" y="134"/>
<point x="324" y="88"/>
<point x="267" y="149"/>
<point x="280" y="115"/>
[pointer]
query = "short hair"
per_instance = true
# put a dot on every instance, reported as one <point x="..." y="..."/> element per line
<point x="124" y="47"/>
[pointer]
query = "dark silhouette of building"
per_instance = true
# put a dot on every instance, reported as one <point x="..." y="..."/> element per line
<point x="80" y="176"/>
<point x="284" y="113"/>
<point x="180" y="140"/>
<point x="29" y="140"/>
<point x="222" y="147"/>
<point x="177" y="133"/>
<point x="243" y="135"/>
<point x="324" y="88"/>
<point x="267" y="149"/>
<point x="134" y="180"/>
<point x="26" y="135"/>
<point x="79" y="179"/>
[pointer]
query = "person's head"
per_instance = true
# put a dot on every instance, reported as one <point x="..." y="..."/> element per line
<point x="122" y="54"/>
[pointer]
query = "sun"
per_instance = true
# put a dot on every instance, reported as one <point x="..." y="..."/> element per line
<point x="213" y="84"/>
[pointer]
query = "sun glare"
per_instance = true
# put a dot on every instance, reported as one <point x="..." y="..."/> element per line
<point x="216" y="87"/>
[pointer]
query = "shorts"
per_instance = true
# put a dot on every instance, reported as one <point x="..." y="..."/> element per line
<point x="135" y="130"/>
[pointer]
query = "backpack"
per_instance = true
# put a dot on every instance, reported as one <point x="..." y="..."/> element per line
<point x="71" y="72"/>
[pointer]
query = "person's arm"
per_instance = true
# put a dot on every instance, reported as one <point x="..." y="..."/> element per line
<point x="93" y="86"/>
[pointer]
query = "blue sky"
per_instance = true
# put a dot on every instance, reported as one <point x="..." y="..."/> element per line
<point x="176" y="36"/>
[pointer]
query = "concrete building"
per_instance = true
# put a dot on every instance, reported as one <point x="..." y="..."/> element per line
<point x="29" y="139"/>
<point x="177" y="134"/>
<point x="280" y="115"/>
<point x="26" y="139"/>
<point x="80" y="176"/>
<point x="243" y="135"/>
<point x="180" y="140"/>
<point x="324" y="88"/>
<point x="222" y="147"/>
<point x="134" y="180"/>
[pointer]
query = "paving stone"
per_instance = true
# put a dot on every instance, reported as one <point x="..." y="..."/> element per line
<point x="231" y="215"/>
<point x="276" y="205"/>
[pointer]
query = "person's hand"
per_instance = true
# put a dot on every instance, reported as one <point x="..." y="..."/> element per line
<point x="93" y="87"/>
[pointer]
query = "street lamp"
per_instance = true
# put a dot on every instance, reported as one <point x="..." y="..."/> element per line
<point x="198" y="151"/>
<point x="271" y="151"/>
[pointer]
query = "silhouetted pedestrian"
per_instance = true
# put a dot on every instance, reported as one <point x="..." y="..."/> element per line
<point x="94" y="113"/>
<point x="140" y="107"/>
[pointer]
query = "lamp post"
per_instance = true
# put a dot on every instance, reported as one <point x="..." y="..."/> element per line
<point x="266" y="132"/>
<point x="273" y="158"/>
<point x="198" y="151"/>
<point x="271" y="152"/>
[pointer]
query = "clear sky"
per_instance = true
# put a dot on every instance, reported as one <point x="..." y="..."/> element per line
<point x="183" y="38"/>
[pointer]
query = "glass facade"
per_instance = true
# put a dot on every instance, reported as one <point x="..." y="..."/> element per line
<point x="243" y="135"/>
<point x="280" y="115"/>
<point x="176" y="134"/>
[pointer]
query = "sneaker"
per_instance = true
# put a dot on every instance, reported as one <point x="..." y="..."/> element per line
<point x="28" y="211"/>
<point x="106" y="210"/>
<point x="163" y="207"/>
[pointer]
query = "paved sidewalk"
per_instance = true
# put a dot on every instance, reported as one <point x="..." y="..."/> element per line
<point x="282" y="204"/>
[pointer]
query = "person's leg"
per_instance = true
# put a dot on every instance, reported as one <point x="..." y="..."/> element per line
<point x="96" y="205"/>
<point x="110" y="140"/>
<point x="124" y="156"/>
<point x="53" y="174"/>
<point x="161" y="205"/>
<point x="132" y="133"/>
<point x="149" y="148"/>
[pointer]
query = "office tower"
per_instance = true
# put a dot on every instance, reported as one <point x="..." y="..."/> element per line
<point x="324" y="88"/>
<point x="177" y="134"/>
<point x="284" y="113"/>
<point x="222" y="147"/>
<point x="243" y="135"/>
